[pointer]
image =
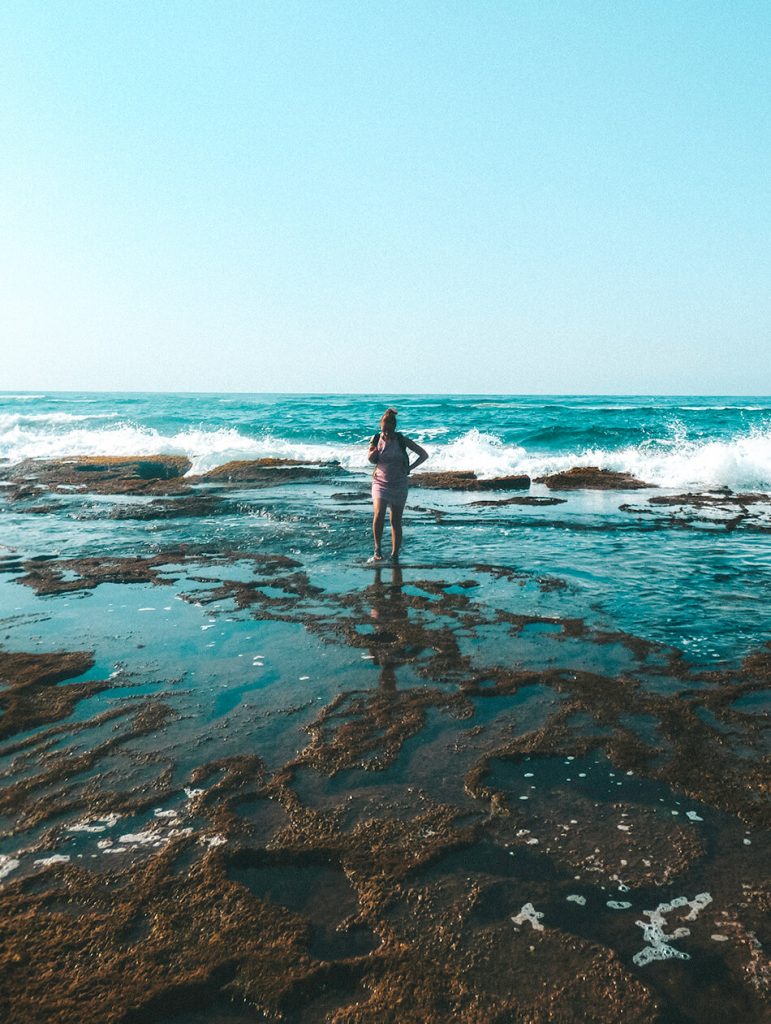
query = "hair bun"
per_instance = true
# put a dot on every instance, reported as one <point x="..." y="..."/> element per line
<point x="390" y="411"/>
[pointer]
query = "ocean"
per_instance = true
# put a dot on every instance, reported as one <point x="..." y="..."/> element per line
<point x="685" y="442"/>
<point x="291" y="786"/>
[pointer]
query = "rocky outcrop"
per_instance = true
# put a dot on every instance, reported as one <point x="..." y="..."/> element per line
<point x="31" y="694"/>
<point x="100" y="474"/>
<point x="149" y="474"/>
<point x="266" y="471"/>
<point x="467" y="480"/>
<point x="591" y="478"/>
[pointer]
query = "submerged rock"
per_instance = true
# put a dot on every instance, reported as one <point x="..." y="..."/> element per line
<point x="526" y="499"/>
<point x="174" y="508"/>
<point x="591" y="478"/>
<point x="707" y="499"/>
<point x="32" y="695"/>
<point x="467" y="480"/>
<point x="51" y="575"/>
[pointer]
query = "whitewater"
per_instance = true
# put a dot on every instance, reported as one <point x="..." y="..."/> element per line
<point x="695" y="443"/>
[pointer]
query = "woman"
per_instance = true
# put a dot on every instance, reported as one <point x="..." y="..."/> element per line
<point x="390" y="481"/>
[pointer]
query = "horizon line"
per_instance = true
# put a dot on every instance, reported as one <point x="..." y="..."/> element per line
<point x="397" y="394"/>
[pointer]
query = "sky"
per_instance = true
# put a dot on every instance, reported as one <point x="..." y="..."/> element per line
<point x="319" y="196"/>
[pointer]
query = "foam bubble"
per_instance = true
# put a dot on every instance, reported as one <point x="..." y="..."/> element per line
<point x="7" y="865"/>
<point x="659" y="947"/>
<point x="55" y="858"/>
<point x="95" y="824"/>
<point x="529" y="913"/>
<point x="212" y="841"/>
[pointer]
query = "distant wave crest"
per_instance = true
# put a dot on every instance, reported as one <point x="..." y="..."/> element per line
<point x="8" y="420"/>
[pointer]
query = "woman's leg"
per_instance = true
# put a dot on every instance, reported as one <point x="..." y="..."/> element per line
<point x="378" y="520"/>
<point x="396" y="529"/>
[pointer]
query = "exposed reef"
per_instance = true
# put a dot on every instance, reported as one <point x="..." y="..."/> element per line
<point x="268" y="472"/>
<point x="468" y="827"/>
<point x="711" y="499"/>
<point x="99" y="474"/>
<point x="70" y="575"/>
<point x="591" y="478"/>
<point x="31" y="695"/>
<point x="720" y="509"/>
<point x="150" y="475"/>
<point x="467" y="480"/>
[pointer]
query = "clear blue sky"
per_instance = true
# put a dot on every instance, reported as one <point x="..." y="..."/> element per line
<point x="353" y="196"/>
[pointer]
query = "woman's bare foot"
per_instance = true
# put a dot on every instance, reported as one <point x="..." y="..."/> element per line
<point x="377" y="557"/>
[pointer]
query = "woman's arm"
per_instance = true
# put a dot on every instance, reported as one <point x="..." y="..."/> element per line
<point x="421" y="453"/>
<point x="372" y="454"/>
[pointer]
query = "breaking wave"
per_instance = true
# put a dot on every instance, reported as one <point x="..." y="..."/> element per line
<point x="740" y="462"/>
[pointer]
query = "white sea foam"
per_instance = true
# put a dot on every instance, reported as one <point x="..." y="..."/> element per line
<point x="530" y="914"/>
<point x="740" y="462"/>
<point x="659" y="942"/>
<point x="7" y="864"/>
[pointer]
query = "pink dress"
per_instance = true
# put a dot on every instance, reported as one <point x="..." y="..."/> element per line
<point x="390" y="481"/>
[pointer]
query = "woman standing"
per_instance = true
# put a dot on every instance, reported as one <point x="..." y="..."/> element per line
<point x="390" y="481"/>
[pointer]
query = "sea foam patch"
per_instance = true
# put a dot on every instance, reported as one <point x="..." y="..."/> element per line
<point x="659" y="942"/>
<point x="7" y="865"/>
<point x="528" y="913"/>
<point x="95" y="824"/>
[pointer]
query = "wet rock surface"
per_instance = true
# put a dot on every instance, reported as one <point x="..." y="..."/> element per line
<point x="268" y="472"/>
<point x="31" y="694"/>
<point x="535" y="500"/>
<point x="411" y="799"/>
<point x="99" y="474"/>
<point x="467" y="480"/>
<point x="722" y="509"/>
<point x="591" y="478"/>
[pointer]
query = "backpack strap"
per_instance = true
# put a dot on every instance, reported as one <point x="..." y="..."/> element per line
<point x="403" y="445"/>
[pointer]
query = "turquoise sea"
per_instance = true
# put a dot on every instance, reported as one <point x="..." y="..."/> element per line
<point x="534" y="749"/>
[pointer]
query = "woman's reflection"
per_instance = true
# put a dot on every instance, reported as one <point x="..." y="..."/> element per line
<point x="388" y="642"/>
